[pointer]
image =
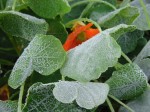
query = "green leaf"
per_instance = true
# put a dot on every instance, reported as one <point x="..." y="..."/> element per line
<point x="119" y="30"/>
<point x="44" y="54"/>
<point x="93" y="57"/>
<point x="144" y="64"/>
<point x="26" y="26"/>
<point x="128" y="82"/>
<point x="140" y="104"/>
<point x="49" y="8"/>
<point x="124" y="15"/>
<point x="75" y="12"/>
<point x="87" y="95"/>
<point x="57" y="29"/>
<point x="99" y="9"/>
<point x="113" y="2"/>
<point x="141" y="21"/>
<point x="129" y="41"/>
<point x="144" y="53"/>
<point x="41" y="99"/>
<point x="8" y="106"/>
<point x="136" y="3"/>
<point x="19" y="5"/>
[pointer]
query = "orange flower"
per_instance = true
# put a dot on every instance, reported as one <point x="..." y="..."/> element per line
<point x="4" y="93"/>
<point x="81" y="33"/>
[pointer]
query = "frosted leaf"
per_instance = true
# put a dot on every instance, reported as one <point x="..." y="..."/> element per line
<point x="87" y="61"/>
<point x="125" y="15"/>
<point x="144" y="64"/>
<point x="144" y="53"/>
<point x="8" y="106"/>
<point x="49" y="8"/>
<point x="140" y="104"/>
<point x="41" y="99"/>
<point x="44" y="54"/>
<point x="87" y="95"/>
<point x="22" y="25"/>
<point x="128" y="82"/>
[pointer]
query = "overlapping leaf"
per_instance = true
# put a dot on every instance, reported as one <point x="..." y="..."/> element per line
<point x="128" y="41"/>
<point x="87" y="61"/>
<point x="22" y="25"/>
<point x="57" y="29"/>
<point x="128" y="82"/>
<point x="140" y="104"/>
<point x="48" y="8"/>
<point x="99" y="9"/>
<point x="124" y="15"/>
<point x="141" y="22"/>
<point x="87" y="95"/>
<point x="8" y="106"/>
<point x="44" y="54"/>
<point x="144" y="64"/>
<point x="40" y="99"/>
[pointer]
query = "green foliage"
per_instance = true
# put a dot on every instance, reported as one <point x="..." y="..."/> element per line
<point x="128" y="41"/>
<point x="44" y="54"/>
<point x="22" y="25"/>
<point x="8" y="106"/>
<point x="41" y="99"/>
<point x="48" y="8"/>
<point x="87" y="95"/>
<point x="127" y="82"/>
<point x="124" y="15"/>
<point x="32" y="34"/>
<point x="93" y="57"/>
<point x="141" y="104"/>
<point x="141" y="21"/>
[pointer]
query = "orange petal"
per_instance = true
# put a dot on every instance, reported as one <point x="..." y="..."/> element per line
<point x="71" y="40"/>
<point x="91" y="32"/>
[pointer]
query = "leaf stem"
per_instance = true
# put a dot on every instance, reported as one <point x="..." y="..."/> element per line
<point x="145" y="12"/>
<point x="84" y="19"/>
<point x="63" y="78"/>
<point x="20" y="98"/>
<point x="126" y="57"/>
<point x="14" y="5"/>
<point x="110" y="105"/>
<point x="127" y="107"/>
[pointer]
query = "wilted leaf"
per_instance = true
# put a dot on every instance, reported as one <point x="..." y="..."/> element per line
<point x="44" y="54"/>
<point x="49" y="8"/>
<point x="128" y="82"/>
<point x="22" y="25"/>
<point x="8" y="106"/>
<point x="87" y="95"/>
<point x="124" y="15"/>
<point x="41" y="99"/>
<point x="141" y="104"/>
<point x="87" y="61"/>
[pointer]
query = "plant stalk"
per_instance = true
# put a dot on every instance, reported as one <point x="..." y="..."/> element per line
<point x="127" y="107"/>
<point x="110" y="105"/>
<point x="20" y="98"/>
<point x="126" y="57"/>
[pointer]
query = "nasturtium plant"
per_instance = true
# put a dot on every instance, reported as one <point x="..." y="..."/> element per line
<point x="127" y="82"/>
<point x="74" y="55"/>
<point x="44" y="54"/>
